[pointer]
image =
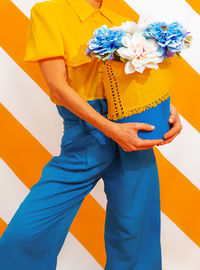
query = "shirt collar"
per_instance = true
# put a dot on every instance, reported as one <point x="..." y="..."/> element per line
<point x="84" y="9"/>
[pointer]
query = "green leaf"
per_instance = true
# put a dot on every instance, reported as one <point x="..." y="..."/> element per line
<point x="179" y="55"/>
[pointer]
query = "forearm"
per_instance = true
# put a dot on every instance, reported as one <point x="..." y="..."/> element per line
<point x="70" y="99"/>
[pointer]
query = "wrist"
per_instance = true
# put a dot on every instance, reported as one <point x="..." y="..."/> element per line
<point x="109" y="128"/>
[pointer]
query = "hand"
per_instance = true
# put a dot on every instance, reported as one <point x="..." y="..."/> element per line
<point x="176" y="127"/>
<point x="125" y="134"/>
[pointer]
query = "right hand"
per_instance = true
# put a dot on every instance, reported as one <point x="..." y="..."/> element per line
<point x="125" y="134"/>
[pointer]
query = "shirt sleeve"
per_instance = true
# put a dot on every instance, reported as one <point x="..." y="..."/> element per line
<point x="44" y="36"/>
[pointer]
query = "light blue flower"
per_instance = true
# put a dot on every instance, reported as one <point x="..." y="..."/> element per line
<point x="104" y="42"/>
<point x="170" y="36"/>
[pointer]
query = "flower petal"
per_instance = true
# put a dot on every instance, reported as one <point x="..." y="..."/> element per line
<point x="125" y="53"/>
<point x="129" y="68"/>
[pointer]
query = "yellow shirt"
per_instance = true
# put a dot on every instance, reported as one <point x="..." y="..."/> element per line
<point x="63" y="28"/>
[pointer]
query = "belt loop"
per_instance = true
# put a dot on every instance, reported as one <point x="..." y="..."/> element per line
<point x="101" y="137"/>
<point x="80" y="120"/>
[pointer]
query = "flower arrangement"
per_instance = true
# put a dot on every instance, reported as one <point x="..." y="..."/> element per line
<point x="139" y="46"/>
<point x="125" y="51"/>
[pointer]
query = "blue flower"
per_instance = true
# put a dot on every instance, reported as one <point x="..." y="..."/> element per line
<point x="105" y="42"/>
<point x="170" y="36"/>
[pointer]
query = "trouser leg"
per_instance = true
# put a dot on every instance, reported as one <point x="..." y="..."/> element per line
<point x="36" y="233"/>
<point x="132" y="226"/>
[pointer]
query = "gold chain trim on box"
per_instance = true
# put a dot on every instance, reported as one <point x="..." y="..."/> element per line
<point x="119" y="111"/>
<point x="139" y="109"/>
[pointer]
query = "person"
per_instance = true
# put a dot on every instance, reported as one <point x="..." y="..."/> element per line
<point x="92" y="148"/>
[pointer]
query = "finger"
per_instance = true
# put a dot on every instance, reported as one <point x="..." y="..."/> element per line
<point x="129" y="149"/>
<point x="125" y="148"/>
<point x="144" y="148"/>
<point x="169" y="139"/>
<point x="139" y="148"/>
<point x="173" y="130"/>
<point x="147" y="142"/>
<point x="173" y="115"/>
<point x="143" y="126"/>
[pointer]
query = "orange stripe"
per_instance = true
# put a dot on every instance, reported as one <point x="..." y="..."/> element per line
<point x="90" y="238"/>
<point x="10" y="34"/>
<point x="3" y="226"/>
<point x="185" y="77"/>
<point x="26" y="157"/>
<point x="92" y="215"/>
<point x="124" y="10"/>
<point x="184" y="100"/>
<point x="180" y="199"/>
<point x="195" y="5"/>
<point x="21" y="152"/>
<point x="174" y="204"/>
<point x="185" y="91"/>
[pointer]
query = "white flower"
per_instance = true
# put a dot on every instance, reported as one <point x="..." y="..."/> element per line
<point x="128" y="26"/>
<point x="143" y="22"/>
<point x="140" y="52"/>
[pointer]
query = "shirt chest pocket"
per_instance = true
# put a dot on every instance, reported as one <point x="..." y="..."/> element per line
<point x="76" y="53"/>
<point x="82" y="70"/>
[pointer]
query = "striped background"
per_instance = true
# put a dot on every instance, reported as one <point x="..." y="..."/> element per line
<point x="30" y="136"/>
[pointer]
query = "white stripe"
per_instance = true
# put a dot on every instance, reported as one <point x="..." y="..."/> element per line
<point x="157" y="10"/>
<point x="98" y="193"/>
<point x="179" y="252"/>
<point x="25" y="6"/>
<point x="12" y="192"/>
<point x="183" y="152"/>
<point x="73" y="254"/>
<point x="170" y="11"/>
<point x="172" y="251"/>
<point x="28" y="103"/>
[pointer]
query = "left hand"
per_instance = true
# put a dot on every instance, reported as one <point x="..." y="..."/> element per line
<point x="176" y="126"/>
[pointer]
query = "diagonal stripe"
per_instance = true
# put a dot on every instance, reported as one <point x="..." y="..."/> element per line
<point x="186" y="161"/>
<point x="10" y="34"/>
<point x="21" y="104"/>
<point x="152" y="10"/>
<point x="174" y="244"/>
<point x="34" y="69"/>
<point x="185" y="90"/>
<point x="180" y="199"/>
<point x="11" y="185"/>
<point x="91" y="216"/>
<point x="171" y="250"/>
<point x="194" y="4"/>
<point x="22" y="96"/>
<point x="174" y="203"/>
<point x="183" y="99"/>
<point x="12" y="193"/>
<point x="19" y="150"/>
<point x="3" y="226"/>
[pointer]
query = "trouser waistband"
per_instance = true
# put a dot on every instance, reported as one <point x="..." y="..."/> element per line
<point x="73" y="124"/>
<point x="100" y="105"/>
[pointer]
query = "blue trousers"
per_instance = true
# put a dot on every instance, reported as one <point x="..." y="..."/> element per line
<point x="36" y="232"/>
